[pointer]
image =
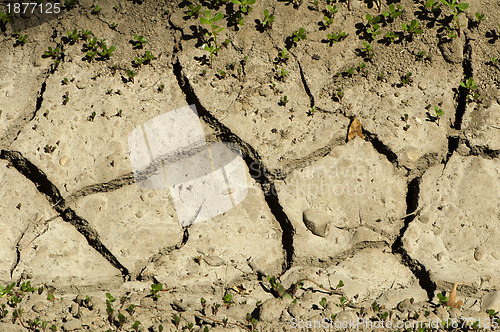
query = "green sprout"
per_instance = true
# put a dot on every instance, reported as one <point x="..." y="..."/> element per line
<point x="471" y="87"/>
<point x="439" y="113"/>
<point x="406" y="79"/>
<point x="479" y="17"/>
<point x="405" y="118"/>
<point x="268" y="20"/>
<point x="96" y="10"/>
<point x="52" y="52"/>
<point x="228" y="300"/>
<point x="340" y="95"/>
<point x="244" y="5"/>
<point x="5" y="18"/>
<point x="337" y="37"/>
<point x="73" y="36"/>
<point x="443" y="300"/>
<point x="135" y="326"/>
<point x="392" y="36"/>
<point x="283" y="55"/>
<point x="113" y="25"/>
<point x="393" y="12"/>
<point x="283" y="101"/>
<point x="222" y="74"/>
<point x="322" y="302"/>
<point x="299" y="34"/>
<point x="69" y="4"/>
<point x="106" y="52"/>
<point x="330" y="14"/>
<point x="194" y="11"/>
<point x="422" y="55"/>
<point x="130" y="74"/>
<point x="85" y="34"/>
<point x="456" y="9"/>
<point x="65" y="98"/>
<point x="215" y="30"/>
<point x="349" y="72"/>
<point x="412" y="28"/>
<point x="139" y="41"/>
<point x="21" y="39"/>
<point x="161" y="87"/>
<point x="491" y="313"/>
<point x="367" y="50"/>
<point x="155" y="288"/>
<point x="282" y="74"/>
<point x="344" y="302"/>
<point x="432" y="5"/>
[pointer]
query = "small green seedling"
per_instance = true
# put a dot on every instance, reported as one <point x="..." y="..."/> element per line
<point x="322" y="302"/>
<point x="406" y="79"/>
<point x="422" y="55"/>
<point x="330" y="15"/>
<point x="405" y="118"/>
<point x="155" y="288"/>
<point x="349" y="72"/>
<point x="268" y="20"/>
<point x="367" y="50"/>
<point x="161" y="87"/>
<point x="283" y="55"/>
<point x="106" y="52"/>
<point x="412" y="28"/>
<point x="439" y="113"/>
<point x="21" y="39"/>
<point x="135" y="326"/>
<point x="52" y="52"/>
<point x="443" y="300"/>
<point x="113" y="25"/>
<point x="337" y="37"/>
<point x="393" y="12"/>
<point x="85" y="34"/>
<point x="73" y="36"/>
<point x="69" y="4"/>
<point x="4" y="292"/>
<point x="479" y="17"/>
<point x="299" y="34"/>
<point x="244" y="5"/>
<point x="228" y="300"/>
<point x="456" y="9"/>
<point x="65" y="98"/>
<point x="215" y="30"/>
<point x="470" y="84"/>
<point x="311" y="111"/>
<point x="139" y="41"/>
<point x="491" y="313"/>
<point x="282" y="74"/>
<point x="372" y="19"/>
<point x="392" y="36"/>
<point x="362" y="68"/>
<point x="194" y="11"/>
<point x="222" y="74"/>
<point x="340" y="95"/>
<point x="96" y="10"/>
<point x="432" y="5"/>
<point x="130" y="75"/>
<point x="343" y="303"/>
<point x="5" y="17"/>
<point x="283" y="101"/>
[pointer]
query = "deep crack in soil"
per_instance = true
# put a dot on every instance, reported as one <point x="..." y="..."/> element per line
<point x="50" y="191"/>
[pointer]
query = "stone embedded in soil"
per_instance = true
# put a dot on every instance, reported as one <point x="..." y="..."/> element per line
<point x="454" y="236"/>
<point x="362" y="194"/>
<point x="316" y="221"/>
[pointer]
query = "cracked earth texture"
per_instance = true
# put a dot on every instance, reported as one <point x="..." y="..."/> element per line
<point x="398" y="216"/>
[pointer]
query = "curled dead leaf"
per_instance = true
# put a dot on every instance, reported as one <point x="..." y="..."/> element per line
<point x="355" y="129"/>
<point x="452" y="299"/>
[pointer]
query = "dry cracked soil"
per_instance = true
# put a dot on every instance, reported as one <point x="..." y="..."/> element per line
<point x="389" y="227"/>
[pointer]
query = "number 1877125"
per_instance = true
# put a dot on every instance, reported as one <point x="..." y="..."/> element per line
<point x="33" y="7"/>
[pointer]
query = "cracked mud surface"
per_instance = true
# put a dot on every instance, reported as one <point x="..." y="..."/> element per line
<point x="398" y="216"/>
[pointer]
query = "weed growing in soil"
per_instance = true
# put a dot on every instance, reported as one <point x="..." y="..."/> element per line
<point x="21" y="39"/>
<point x="456" y="9"/>
<point x="283" y="56"/>
<point x="412" y="28"/>
<point x="96" y="10"/>
<point x="393" y="12"/>
<point x="194" y="11"/>
<point x="405" y="119"/>
<point x="215" y="30"/>
<point x="299" y="35"/>
<point x="432" y="5"/>
<point x="439" y="113"/>
<point x="155" y="289"/>
<point x="282" y="74"/>
<point x="330" y="15"/>
<point x="406" y="79"/>
<point x="479" y="17"/>
<point x="367" y="50"/>
<point x="65" y="98"/>
<point x="139" y="41"/>
<point x="283" y="101"/>
<point x="267" y="22"/>
<point x="52" y="52"/>
<point x="337" y="37"/>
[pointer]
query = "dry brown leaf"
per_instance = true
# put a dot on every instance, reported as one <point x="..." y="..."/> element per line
<point x="355" y="129"/>
<point x="452" y="299"/>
